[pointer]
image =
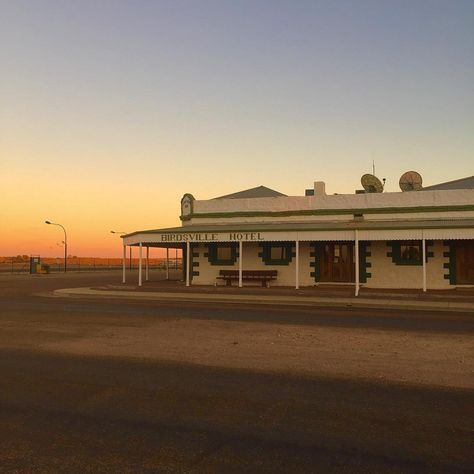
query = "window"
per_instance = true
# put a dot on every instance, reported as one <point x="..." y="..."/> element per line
<point x="408" y="252"/>
<point x="276" y="253"/>
<point x="222" y="254"/>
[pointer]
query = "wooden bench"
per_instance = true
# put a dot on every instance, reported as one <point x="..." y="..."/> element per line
<point x="249" y="275"/>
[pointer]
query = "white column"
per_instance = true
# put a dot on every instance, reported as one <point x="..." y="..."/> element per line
<point x="356" y="240"/>
<point x="240" y="263"/>
<point x="147" y="262"/>
<point x="124" y="262"/>
<point x="423" y="248"/>
<point x="297" y="264"/>
<point x="140" y="265"/>
<point x="188" y="260"/>
<point x="167" y="263"/>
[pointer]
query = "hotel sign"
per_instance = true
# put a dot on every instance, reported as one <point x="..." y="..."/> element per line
<point x="213" y="237"/>
<point x="177" y="238"/>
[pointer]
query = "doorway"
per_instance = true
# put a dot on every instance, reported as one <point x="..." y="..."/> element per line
<point x="336" y="262"/>
<point x="465" y="262"/>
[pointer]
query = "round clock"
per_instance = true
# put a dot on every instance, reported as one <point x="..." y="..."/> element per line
<point x="187" y="205"/>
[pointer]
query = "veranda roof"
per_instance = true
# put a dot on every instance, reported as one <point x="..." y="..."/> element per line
<point x="434" y="229"/>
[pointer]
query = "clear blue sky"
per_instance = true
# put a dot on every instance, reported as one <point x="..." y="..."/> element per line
<point x="141" y="101"/>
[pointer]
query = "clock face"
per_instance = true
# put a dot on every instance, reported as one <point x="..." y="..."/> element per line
<point x="186" y="207"/>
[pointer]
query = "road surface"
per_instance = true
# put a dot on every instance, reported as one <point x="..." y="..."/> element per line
<point x="113" y="386"/>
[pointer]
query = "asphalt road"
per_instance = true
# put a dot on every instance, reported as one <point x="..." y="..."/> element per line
<point x="62" y="412"/>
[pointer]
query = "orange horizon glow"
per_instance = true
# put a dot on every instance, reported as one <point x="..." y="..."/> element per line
<point x="47" y="241"/>
<point x="111" y="111"/>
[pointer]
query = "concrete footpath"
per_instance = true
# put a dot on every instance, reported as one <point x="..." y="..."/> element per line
<point x="383" y="301"/>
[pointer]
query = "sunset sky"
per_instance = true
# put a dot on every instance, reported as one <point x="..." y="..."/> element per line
<point x="111" y="110"/>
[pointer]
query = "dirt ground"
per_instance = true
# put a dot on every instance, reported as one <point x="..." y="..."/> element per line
<point x="397" y="356"/>
<point x="109" y="385"/>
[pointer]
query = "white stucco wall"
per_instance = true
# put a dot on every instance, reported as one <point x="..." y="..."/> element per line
<point x="386" y="274"/>
<point x="331" y="218"/>
<point x="435" y="270"/>
<point x="338" y="201"/>
<point x="251" y="261"/>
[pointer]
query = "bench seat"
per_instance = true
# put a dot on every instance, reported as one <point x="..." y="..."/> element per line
<point x="249" y="275"/>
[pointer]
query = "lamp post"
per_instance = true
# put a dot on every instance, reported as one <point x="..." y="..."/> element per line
<point x="65" y="242"/>
<point x="123" y="233"/>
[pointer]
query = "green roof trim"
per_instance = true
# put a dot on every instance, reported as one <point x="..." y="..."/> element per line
<point x="328" y="212"/>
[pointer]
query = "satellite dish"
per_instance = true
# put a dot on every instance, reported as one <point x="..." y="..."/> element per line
<point x="411" y="181"/>
<point x="371" y="183"/>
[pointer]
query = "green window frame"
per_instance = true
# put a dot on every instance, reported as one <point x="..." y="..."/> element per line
<point x="406" y="252"/>
<point x="214" y="249"/>
<point x="277" y="253"/>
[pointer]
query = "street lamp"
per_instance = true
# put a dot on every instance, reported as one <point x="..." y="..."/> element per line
<point x="123" y="233"/>
<point x="65" y="242"/>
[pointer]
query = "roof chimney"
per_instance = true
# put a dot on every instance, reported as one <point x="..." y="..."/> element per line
<point x="319" y="188"/>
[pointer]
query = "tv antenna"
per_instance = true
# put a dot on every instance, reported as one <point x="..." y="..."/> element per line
<point x="372" y="184"/>
<point x="411" y="181"/>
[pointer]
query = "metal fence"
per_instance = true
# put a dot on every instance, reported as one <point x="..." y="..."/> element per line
<point x="77" y="264"/>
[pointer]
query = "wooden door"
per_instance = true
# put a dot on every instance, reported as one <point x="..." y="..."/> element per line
<point x="465" y="262"/>
<point x="337" y="262"/>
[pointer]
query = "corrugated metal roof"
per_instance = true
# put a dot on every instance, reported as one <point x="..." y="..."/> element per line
<point x="325" y="225"/>
<point x="463" y="183"/>
<point x="258" y="192"/>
